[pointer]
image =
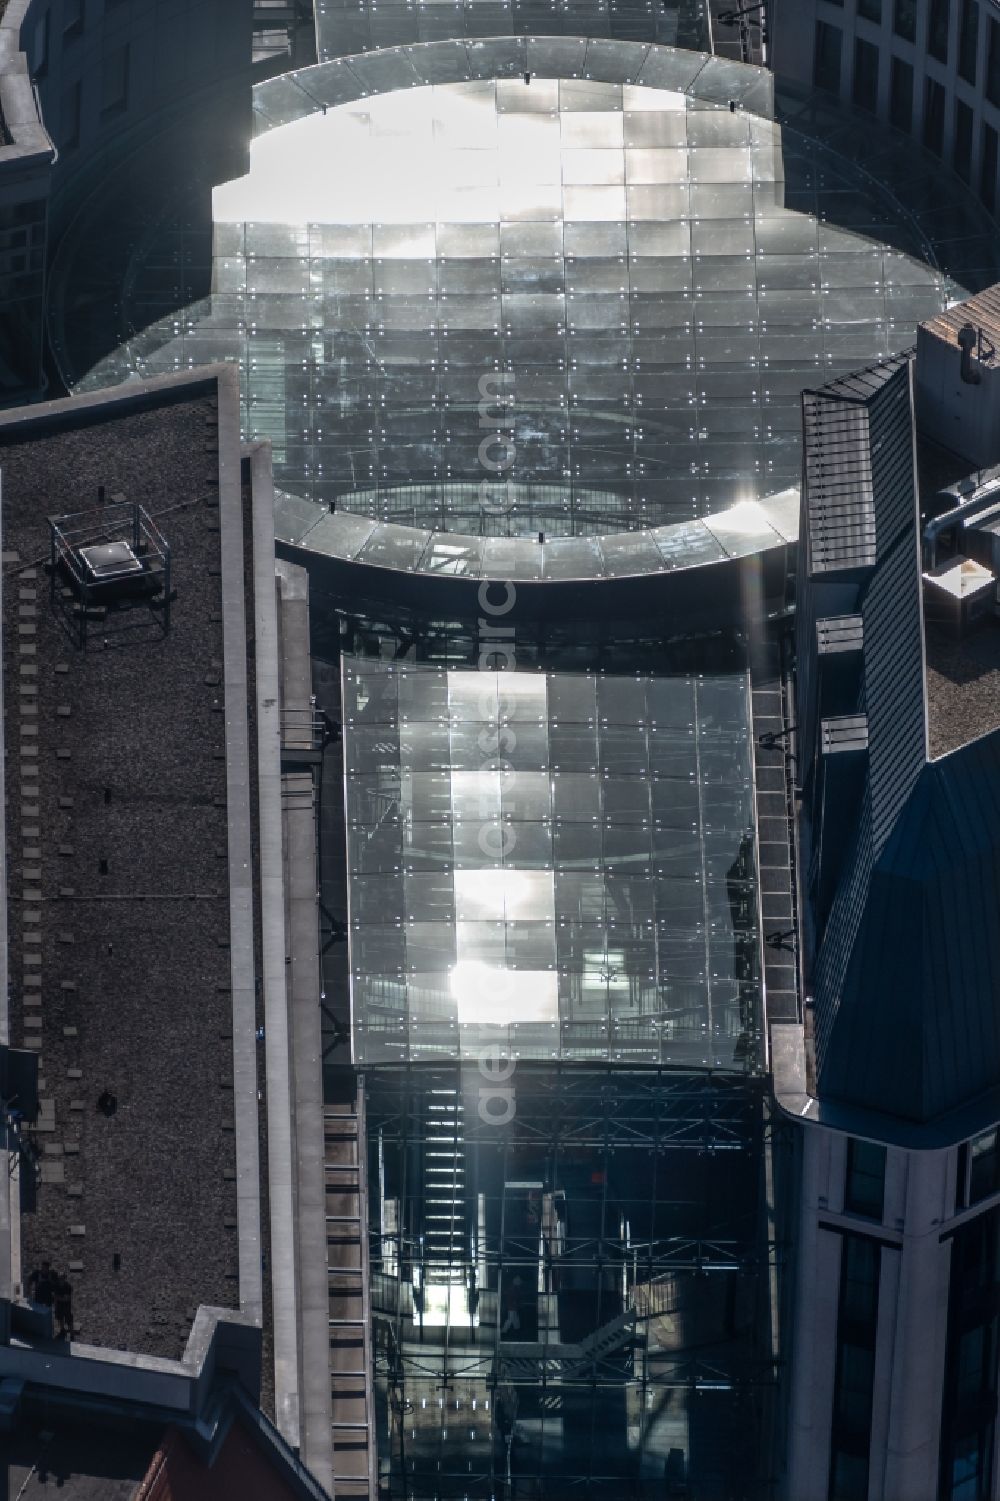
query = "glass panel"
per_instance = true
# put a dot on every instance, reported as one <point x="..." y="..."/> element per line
<point x="607" y="811"/>
<point x="643" y="255"/>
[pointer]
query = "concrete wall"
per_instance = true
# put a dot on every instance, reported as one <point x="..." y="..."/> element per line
<point x="26" y="157"/>
<point x="911" y="1330"/>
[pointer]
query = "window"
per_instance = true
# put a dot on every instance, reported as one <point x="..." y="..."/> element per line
<point x="993" y="64"/>
<point x="974" y="1364"/>
<point x="968" y="39"/>
<point x="969" y="1395"/>
<point x="826" y="69"/>
<point x="854" y="1385"/>
<point x="901" y="94"/>
<point x="938" y="17"/>
<point x="934" y="116"/>
<point x="850" y="1436"/>
<point x="114" y="81"/>
<point x="848" y="1477"/>
<point x="865" y="75"/>
<point x="40" y="47"/>
<point x="988" y="168"/>
<point x="971" y="1466"/>
<point x="904" y="19"/>
<point x="859" y="1282"/>
<point x="984" y="1166"/>
<point x="870" y="10"/>
<point x="864" y="1191"/>
<point x="69" y="118"/>
<point x="963" y="140"/>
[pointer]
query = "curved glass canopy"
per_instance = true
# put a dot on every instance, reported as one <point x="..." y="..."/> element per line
<point x="540" y="307"/>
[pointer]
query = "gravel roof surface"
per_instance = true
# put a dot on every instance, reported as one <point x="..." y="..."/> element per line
<point x="963" y="687"/>
<point x="121" y="979"/>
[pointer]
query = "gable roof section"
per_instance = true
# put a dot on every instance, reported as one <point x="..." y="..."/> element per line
<point x="848" y="437"/>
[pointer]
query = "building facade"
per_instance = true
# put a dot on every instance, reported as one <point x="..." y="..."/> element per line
<point x="929" y="68"/>
<point x="893" y="1082"/>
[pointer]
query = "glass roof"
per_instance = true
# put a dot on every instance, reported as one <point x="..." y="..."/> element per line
<point x="749" y="527"/>
<point x="539" y="309"/>
<point x="559" y="864"/>
<point x="345" y="26"/>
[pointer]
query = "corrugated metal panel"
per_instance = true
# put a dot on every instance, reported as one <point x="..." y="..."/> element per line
<point x="894" y="685"/>
<point x="861" y="385"/>
<point x="840" y="509"/>
<point x="891" y="460"/>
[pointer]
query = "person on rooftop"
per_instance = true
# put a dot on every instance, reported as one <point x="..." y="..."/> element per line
<point x="63" y="1299"/>
<point x="41" y="1285"/>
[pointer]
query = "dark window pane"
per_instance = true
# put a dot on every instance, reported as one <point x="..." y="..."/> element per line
<point x="865" y="1187"/>
<point x="934" y="116"/>
<point x="865" y="75"/>
<point x="993" y="64"/>
<point x="968" y="36"/>
<point x="114" y="81"/>
<point x="69" y="118"/>
<point x="974" y="1369"/>
<point x="968" y="1468"/>
<point x="859" y="1282"/>
<point x="937" y="29"/>
<point x="988" y="168"/>
<point x="855" y="1370"/>
<point x="904" y="19"/>
<point x="984" y="1175"/>
<point x="870" y="10"/>
<point x="826" y="72"/>
<point x="854" y="1386"/>
<point x="901" y="95"/>
<point x="848" y="1477"/>
<point x="963" y="140"/>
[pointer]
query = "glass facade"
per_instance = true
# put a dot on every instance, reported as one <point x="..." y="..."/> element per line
<point x="828" y="56"/>
<point x="864" y="1189"/>
<point x="904" y="19"/>
<point x="964" y="122"/>
<point x="865" y="90"/>
<point x="938" y="22"/>
<point x="569" y="307"/>
<point x="850" y="1438"/>
<point x="559" y="864"/>
<point x="988" y="167"/>
<point x="488" y="297"/>
<point x="551" y="1315"/>
<point x="901" y="94"/>
<point x="934" y="114"/>
<point x="968" y="41"/>
<point x="969" y="1405"/>
<point x="350" y="26"/>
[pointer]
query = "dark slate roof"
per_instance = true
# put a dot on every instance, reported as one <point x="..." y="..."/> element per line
<point x="907" y="969"/>
<point x="917" y="1031"/>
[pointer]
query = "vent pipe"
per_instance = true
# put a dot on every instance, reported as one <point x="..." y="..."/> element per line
<point x="968" y="338"/>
